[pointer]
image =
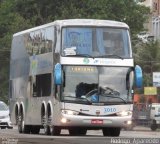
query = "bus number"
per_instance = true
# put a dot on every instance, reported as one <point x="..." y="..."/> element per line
<point x="106" y="110"/>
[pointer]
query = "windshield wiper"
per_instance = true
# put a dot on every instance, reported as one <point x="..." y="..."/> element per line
<point x="110" y="56"/>
<point x="109" y="92"/>
<point x="112" y="96"/>
<point x="81" y="98"/>
<point x="106" y="92"/>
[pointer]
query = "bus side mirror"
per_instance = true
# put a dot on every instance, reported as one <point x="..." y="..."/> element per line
<point x="58" y="74"/>
<point x="138" y="76"/>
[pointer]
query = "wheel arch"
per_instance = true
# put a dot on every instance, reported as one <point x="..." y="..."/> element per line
<point x="16" y="111"/>
<point x="43" y="108"/>
<point x="21" y="109"/>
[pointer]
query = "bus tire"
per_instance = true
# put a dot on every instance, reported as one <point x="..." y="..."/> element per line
<point x="16" y="119"/>
<point x="154" y="127"/>
<point x="44" y="124"/>
<point x="27" y="129"/>
<point x="113" y="132"/>
<point x="47" y="130"/>
<point x="55" y="130"/>
<point x="35" y="129"/>
<point x="22" y="128"/>
<point x="106" y="132"/>
<point x="73" y="131"/>
<point x="16" y="114"/>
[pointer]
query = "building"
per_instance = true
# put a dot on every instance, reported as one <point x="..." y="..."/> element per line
<point x="153" y="25"/>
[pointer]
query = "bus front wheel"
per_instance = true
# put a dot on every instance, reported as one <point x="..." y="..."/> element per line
<point x="73" y="131"/>
<point x="114" y="132"/>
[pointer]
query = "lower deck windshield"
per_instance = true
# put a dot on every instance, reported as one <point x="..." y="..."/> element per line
<point x="95" y="42"/>
<point x="93" y="84"/>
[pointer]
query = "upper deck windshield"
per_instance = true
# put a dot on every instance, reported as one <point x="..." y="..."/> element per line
<point x="96" y="42"/>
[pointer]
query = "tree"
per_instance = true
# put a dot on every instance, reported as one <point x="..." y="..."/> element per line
<point x="40" y="12"/>
<point x="17" y="15"/>
<point x="10" y="22"/>
<point x="148" y="57"/>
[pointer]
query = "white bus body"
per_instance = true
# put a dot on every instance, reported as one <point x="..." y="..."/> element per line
<point x="75" y="74"/>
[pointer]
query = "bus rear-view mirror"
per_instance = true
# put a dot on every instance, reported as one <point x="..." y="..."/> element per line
<point x="58" y="74"/>
<point x="138" y="76"/>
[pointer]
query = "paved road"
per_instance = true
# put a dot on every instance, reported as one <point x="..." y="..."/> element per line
<point x="138" y="136"/>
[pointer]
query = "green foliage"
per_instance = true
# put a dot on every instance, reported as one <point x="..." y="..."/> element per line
<point x="148" y="57"/>
<point x="17" y="15"/>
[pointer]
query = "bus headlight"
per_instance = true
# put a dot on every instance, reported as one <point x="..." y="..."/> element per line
<point x="70" y="112"/>
<point x="124" y="113"/>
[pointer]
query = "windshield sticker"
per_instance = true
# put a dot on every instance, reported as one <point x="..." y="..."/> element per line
<point x="94" y="98"/>
<point x="70" y="51"/>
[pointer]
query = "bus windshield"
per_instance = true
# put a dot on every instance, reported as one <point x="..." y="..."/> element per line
<point x="82" y="82"/>
<point x="96" y="42"/>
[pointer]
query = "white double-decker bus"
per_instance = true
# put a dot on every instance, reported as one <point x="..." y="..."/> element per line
<point x="75" y="74"/>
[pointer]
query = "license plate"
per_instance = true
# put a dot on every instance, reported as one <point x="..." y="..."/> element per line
<point x="96" y="121"/>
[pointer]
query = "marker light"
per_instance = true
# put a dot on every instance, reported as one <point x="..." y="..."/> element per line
<point x="124" y="113"/>
<point x="70" y="112"/>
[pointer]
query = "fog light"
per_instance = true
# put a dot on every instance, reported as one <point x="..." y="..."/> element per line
<point x="63" y="120"/>
<point x="129" y="122"/>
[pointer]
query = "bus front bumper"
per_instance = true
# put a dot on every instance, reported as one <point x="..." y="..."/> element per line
<point x="95" y="121"/>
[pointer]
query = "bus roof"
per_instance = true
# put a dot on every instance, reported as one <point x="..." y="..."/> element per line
<point x="78" y="22"/>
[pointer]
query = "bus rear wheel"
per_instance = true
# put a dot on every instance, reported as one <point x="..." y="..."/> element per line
<point x="46" y="130"/>
<point x="22" y="128"/>
<point x="35" y="129"/>
<point x="55" y="130"/>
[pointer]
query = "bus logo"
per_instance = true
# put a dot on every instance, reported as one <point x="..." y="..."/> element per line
<point x="98" y="112"/>
<point x="85" y="60"/>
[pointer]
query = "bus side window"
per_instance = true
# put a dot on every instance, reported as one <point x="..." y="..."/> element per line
<point x="42" y="85"/>
<point x="34" y="86"/>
